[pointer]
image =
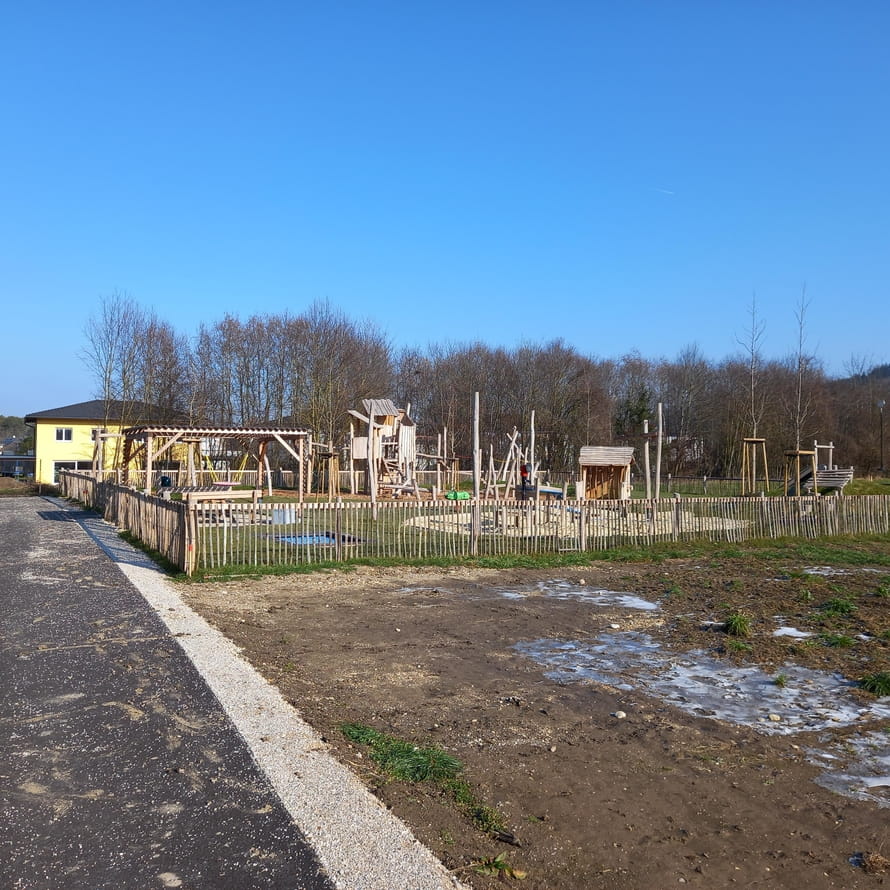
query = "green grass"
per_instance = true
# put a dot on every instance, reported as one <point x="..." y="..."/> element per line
<point x="498" y="867"/>
<point x="868" y="486"/>
<point x="739" y="646"/>
<point x="412" y="763"/>
<point x="837" y="641"/>
<point x="878" y="684"/>
<point x="839" y="605"/>
<point x="404" y="760"/>
<point x="869" y="550"/>
<point x="737" y="624"/>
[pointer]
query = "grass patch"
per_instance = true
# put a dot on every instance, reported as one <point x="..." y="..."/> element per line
<point x="498" y="867"/>
<point x="737" y="624"/>
<point x="863" y="550"/>
<point x="839" y="605"/>
<point x="878" y="684"/>
<point x="739" y="646"/>
<point x="837" y="641"/>
<point x="404" y="760"/>
<point x="415" y="763"/>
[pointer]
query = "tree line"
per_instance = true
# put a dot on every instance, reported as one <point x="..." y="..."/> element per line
<point x="309" y="369"/>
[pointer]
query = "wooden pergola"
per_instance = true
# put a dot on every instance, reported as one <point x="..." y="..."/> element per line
<point x="149" y="443"/>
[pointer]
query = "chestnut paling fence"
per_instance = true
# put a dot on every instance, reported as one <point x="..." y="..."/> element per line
<point x="211" y="534"/>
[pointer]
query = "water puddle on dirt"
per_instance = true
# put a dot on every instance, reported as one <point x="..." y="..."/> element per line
<point x="856" y="767"/>
<point x="594" y="595"/>
<point x="786" y="631"/>
<point x="790" y="701"/>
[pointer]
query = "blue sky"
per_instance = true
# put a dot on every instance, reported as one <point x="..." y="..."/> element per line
<point x="621" y="175"/>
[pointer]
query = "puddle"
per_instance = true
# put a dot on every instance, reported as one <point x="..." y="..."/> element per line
<point x="785" y="631"/>
<point x="806" y="700"/>
<point x="857" y="767"/>
<point x="596" y="596"/>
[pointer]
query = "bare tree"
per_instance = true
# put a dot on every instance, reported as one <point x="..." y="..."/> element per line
<point x="802" y="369"/>
<point x="112" y="352"/>
<point x="752" y="343"/>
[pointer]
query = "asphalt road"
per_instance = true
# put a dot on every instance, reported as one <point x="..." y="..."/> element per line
<point x="118" y="767"/>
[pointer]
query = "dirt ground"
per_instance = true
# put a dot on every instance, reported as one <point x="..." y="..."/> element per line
<point x="604" y="784"/>
<point x="10" y="487"/>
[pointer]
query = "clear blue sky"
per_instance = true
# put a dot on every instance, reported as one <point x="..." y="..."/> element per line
<point x="624" y="175"/>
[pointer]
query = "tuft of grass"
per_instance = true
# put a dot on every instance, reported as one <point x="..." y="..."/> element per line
<point x="404" y="760"/>
<point x="497" y="866"/>
<point x="878" y="684"/>
<point x="414" y="763"/>
<point x="839" y="605"/>
<point x="781" y="680"/>
<point x="737" y="624"/>
<point x="739" y="646"/>
<point x="837" y="641"/>
<point x="883" y="589"/>
<point x="484" y="817"/>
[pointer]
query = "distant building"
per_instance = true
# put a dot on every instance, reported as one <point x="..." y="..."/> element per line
<point x="67" y="437"/>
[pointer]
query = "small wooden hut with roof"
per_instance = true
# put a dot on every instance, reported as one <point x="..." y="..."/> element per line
<point x="605" y="471"/>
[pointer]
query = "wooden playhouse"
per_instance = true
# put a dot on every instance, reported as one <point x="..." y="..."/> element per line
<point x="605" y="471"/>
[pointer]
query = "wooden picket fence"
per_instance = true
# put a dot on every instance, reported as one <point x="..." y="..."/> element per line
<point x="209" y="535"/>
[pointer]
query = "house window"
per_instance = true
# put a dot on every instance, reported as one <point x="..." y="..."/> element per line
<point x="63" y="433"/>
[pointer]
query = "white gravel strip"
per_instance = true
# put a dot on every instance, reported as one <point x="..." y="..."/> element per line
<point x="360" y="843"/>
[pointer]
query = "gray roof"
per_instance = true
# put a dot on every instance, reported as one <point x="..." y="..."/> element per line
<point x="97" y="409"/>
<point x="606" y="456"/>
<point x="380" y="408"/>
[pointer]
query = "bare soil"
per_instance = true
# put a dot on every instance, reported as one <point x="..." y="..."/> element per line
<point x="656" y="798"/>
<point x="11" y="487"/>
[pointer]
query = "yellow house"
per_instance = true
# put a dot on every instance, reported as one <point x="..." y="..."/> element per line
<point x="66" y="438"/>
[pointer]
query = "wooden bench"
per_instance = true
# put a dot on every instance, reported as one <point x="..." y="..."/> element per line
<point x="198" y="494"/>
<point x="193" y="494"/>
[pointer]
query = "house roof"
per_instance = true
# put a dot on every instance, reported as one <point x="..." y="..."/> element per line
<point x="606" y="456"/>
<point x="97" y="410"/>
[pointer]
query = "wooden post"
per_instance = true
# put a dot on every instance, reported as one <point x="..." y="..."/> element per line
<point x="533" y="470"/>
<point x="475" y="521"/>
<point x="647" y="469"/>
<point x="149" y="458"/>
<point x="372" y="466"/>
<point x="268" y="474"/>
<point x="658" y="454"/>
<point x="300" y="470"/>
<point x="351" y="460"/>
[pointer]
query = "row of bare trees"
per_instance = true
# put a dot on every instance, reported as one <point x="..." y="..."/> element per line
<point x="308" y="370"/>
